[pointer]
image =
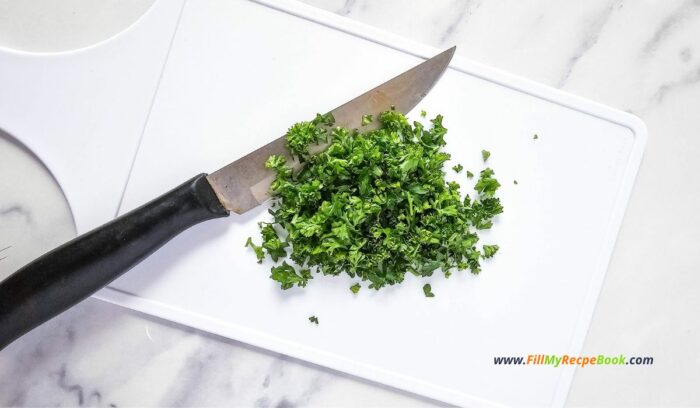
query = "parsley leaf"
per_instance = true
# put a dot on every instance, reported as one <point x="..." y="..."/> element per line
<point x="487" y="184"/>
<point x="288" y="277"/>
<point x="258" y="249"/>
<point x="427" y="290"/>
<point x="272" y="243"/>
<point x="314" y="320"/>
<point x="470" y="174"/>
<point x="458" y="168"/>
<point x="367" y="119"/>
<point x="489" y="250"/>
<point x="485" y="154"/>
<point x="355" y="288"/>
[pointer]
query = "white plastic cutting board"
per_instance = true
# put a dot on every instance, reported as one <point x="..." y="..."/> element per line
<point x="241" y="72"/>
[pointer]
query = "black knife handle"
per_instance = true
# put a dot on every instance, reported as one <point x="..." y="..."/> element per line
<point x="72" y="272"/>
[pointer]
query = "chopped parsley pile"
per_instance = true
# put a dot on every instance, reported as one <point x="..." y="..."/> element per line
<point x="374" y="205"/>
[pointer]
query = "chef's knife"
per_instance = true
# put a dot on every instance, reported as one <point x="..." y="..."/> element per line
<point x="72" y="272"/>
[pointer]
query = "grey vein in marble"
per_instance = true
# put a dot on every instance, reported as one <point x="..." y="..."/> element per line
<point x="690" y="78"/>
<point x="347" y="7"/>
<point x="74" y="388"/>
<point x="590" y="36"/>
<point x="683" y="14"/>
<point x="4" y="249"/>
<point x="17" y="210"/>
<point x="686" y="54"/>
<point x="460" y="18"/>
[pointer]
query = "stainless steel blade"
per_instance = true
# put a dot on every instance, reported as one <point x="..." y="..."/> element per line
<point x="245" y="183"/>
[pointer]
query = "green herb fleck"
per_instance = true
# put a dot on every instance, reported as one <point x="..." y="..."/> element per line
<point x="258" y="249"/>
<point x="374" y="205"/>
<point x="272" y="243"/>
<point x="355" y="288"/>
<point x="287" y="276"/>
<point x="303" y="134"/>
<point x="470" y="174"/>
<point x="427" y="290"/>
<point x="535" y="137"/>
<point x="458" y="168"/>
<point x="490" y="250"/>
<point x="423" y="114"/>
<point x="487" y="184"/>
<point x="515" y="182"/>
<point x="314" y="320"/>
<point x="367" y="119"/>
<point x="485" y="154"/>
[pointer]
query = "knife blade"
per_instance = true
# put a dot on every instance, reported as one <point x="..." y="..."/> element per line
<point x="245" y="183"/>
<point x="68" y="274"/>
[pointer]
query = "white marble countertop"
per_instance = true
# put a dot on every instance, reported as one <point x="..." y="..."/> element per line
<point x="639" y="56"/>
